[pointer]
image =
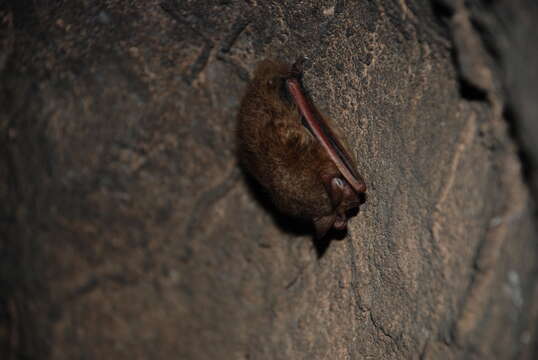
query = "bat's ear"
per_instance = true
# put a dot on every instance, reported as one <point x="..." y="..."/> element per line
<point x="323" y="225"/>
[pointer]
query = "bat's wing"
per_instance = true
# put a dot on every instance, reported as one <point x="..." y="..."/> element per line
<point x="328" y="139"/>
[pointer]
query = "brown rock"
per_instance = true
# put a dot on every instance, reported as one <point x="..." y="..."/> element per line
<point x="128" y="231"/>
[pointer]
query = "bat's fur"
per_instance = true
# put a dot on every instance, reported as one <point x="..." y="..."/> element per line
<point x="283" y="155"/>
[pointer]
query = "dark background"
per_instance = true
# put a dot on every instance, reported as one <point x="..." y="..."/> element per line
<point x="128" y="230"/>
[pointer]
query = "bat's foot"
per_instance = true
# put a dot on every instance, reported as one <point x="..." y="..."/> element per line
<point x="298" y="67"/>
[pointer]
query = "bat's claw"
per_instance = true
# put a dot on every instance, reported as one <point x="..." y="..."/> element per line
<point x="340" y="223"/>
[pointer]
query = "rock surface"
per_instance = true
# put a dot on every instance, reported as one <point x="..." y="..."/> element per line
<point x="129" y="231"/>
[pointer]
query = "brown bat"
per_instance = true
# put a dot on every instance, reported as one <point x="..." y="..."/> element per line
<point x="294" y="152"/>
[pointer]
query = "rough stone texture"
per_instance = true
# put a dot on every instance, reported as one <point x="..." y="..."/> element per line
<point x="509" y="30"/>
<point x="129" y="232"/>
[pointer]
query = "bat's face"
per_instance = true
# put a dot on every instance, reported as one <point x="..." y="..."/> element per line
<point x="319" y="173"/>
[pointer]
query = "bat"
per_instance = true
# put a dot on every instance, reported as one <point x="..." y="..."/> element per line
<point x="297" y="154"/>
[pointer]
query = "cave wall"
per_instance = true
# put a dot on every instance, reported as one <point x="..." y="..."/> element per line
<point x="129" y="231"/>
